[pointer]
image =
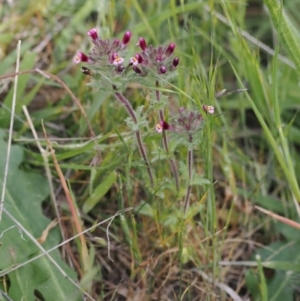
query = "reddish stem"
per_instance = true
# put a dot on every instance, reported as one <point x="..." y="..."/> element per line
<point x="190" y="174"/>
<point x="141" y="147"/>
<point x="165" y="142"/>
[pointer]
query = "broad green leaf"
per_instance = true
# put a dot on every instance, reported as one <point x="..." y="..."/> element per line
<point x="284" y="258"/>
<point x="269" y="203"/>
<point x="289" y="233"/>
<point x="24" y="195"/>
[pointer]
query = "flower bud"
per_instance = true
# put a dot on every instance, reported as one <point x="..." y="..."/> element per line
<point x="180" y="120"/>
<point x="126" y="38"/>
<point x="170" y="49"/>
<point x="116" y="43"/>
<point x="142" y="44"/>
<point x="137" y="70"/>
<point x="162" y="70"/>
<point x="86" y="70"/>
<point x="93" y="33"/>
<point x="158" y="59"/>
<point x="175" y="62"/>
<point x="139" y="58"/>
<point x="119" y="68"/>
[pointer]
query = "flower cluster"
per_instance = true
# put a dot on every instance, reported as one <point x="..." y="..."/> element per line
<point x="187" y="122"/>
<point x="159" y="60"/>
<point x="105" y="53"/>
<point x="109" y="55"/>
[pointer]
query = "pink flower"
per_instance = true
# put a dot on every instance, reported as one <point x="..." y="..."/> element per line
<point x="163" y="125"/>
<point x="209" y="109"/>
<point x="118" y="61"/>
<point x="134" y="61"/>
<point x="159" y="128"/>
<point x="159" y="60"/>
<point x="81" y="57"/>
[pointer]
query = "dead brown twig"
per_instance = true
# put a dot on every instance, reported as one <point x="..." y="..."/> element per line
<point x="282" y="219"/>
<point x="77" y="224"/>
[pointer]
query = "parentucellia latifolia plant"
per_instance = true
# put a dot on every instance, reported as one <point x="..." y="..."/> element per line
<point x="155" y="67"/>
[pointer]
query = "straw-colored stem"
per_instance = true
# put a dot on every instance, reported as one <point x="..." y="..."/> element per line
<point x="11" y="126"/>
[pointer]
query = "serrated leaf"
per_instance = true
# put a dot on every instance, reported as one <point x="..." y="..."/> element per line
<point x="183" y="170"/>
<point x="155" y="106"/>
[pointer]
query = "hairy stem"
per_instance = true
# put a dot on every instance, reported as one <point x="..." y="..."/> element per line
<point x="166" y="144"/>
<point x="190" y="176"/>
<point x="141" y="147"/>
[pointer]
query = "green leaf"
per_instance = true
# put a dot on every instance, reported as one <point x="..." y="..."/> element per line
<point x="252" y="282"/>
<point x="24" y="195"/>
<point x="27" y="63"/>
<point x="269" y="202"/>
<point x="262" y="283"/>
<point x="183" y="170"/>
<point x="291" y="234"/>
<point x="286" y="263"/>
<point x="197" y="180"/>
<point x="9" y="60"/>
<point x="145" y="209"/>
<point x="283" y="265"/>
<point x="99" y="192"/>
